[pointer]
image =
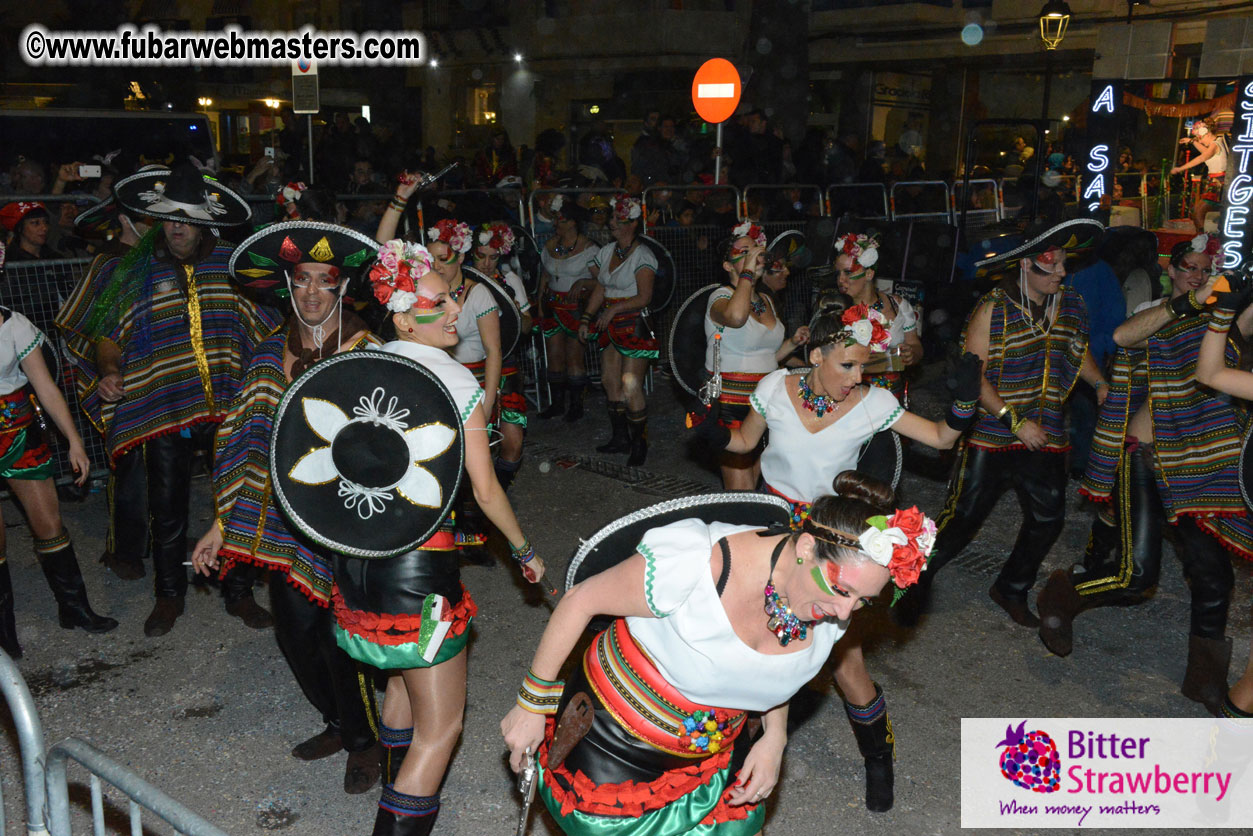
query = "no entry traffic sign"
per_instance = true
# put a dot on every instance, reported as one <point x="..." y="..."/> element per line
<point x="716" y="90"/>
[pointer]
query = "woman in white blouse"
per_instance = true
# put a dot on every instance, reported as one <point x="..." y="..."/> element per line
<point x="668" y="750"/>
<point x="564" y="284"/>
<point x="617" y="314"/>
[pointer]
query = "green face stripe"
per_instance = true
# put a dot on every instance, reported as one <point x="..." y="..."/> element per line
<point x="428" y="318"/>
<point x="821" y="580"/>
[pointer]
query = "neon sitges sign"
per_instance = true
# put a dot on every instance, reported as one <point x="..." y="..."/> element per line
<point x="1240" y="195"/>
<point x="1098" y="155"/>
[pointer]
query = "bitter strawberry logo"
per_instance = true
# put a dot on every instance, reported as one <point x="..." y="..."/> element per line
<point x="1030" y="759"/>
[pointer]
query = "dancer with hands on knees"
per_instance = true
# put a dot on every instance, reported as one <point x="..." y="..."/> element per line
<point x="668" y="750"/>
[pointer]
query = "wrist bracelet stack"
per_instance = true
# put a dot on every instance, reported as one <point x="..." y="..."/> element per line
<point x="1009" y="417"/>
<point x="746" y="276"/>
<point x="398" y="203"/>
<point x="1220" y="320"/>
<point x="523" y="554"/>
<point x="961" y="414"/>
<point x="539" y="696"/>
<point x="586" y="317"/>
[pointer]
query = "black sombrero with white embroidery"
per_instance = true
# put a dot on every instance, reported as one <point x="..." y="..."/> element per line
<point x="510" y="316"/>
<point x="1073" y="236"/>
<point x="182" y="194"/>
<point x="262" y="260"/>
<point x="367" y="454"/>
<point x="618" y="540"/>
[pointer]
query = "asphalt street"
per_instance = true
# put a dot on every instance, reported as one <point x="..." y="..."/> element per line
<point x="210" y="712"/>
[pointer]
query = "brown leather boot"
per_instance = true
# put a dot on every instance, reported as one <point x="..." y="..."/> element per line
<point x="1205" y="680"/>
<point x="1058" y="604"/>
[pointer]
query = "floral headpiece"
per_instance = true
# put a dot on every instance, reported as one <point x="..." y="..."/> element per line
<point x="394" y="278"/>
<point x="498" y="236"/>
<point x="1206" y="244"/>
<point x="290" y="196"/>
<point x="625" y="207"/>
<point x="862" y="325"/>
<point x="902" y="543"/>
<point x="748" y="229"/>
<point x="454" y="233"/>
<point x="863" y="248"/>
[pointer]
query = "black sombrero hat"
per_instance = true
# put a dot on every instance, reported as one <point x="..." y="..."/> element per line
<point x="182" y="194"/>
<point x="510" y="317"/>
<point x="666" y="276"/>
<point x="1073" y="236"/>
<point x="261" y="260"/>
<point x="687" y="344"/>
<point x="617" y="541"/>
<point x="367" y="453"/>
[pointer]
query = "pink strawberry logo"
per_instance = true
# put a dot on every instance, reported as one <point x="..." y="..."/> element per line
<point x="1030" y="759"/>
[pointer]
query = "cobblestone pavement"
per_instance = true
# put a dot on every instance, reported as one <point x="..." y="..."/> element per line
<point x="210" y="711"/>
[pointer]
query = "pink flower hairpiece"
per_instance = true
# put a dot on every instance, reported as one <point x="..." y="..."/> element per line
<point x="863" y="248"/>
<point x="625" y="207"/>
<point x="498" y="236"/>
<point x="394" y="277"/>
<point x="456" y="234"/>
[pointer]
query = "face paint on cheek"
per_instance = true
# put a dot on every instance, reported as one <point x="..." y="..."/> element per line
<point x="428" y="318"/>
<point x="826" y="581"/>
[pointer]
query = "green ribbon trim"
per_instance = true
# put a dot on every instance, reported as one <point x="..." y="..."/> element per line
<point x="682" y="816"/>
<point x="398" y="656"/>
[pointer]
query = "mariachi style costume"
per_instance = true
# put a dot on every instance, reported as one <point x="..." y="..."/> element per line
<point x="1033" y="365"/>
<point x="1187" y="476"/>
<point x="185" y="335"/>
<point x="561" y="308"/>
<point x="254" y="530"/>
<point x="24" y="454"/>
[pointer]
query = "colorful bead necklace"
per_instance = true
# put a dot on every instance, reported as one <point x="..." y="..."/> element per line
<point x="461" y="288"/>
<point x="560" y="251"/>
<point x="784" y="623"/>
<point x="620" y="253"/>
<point x="820" y="405"/>
<point x="757" y="306"/>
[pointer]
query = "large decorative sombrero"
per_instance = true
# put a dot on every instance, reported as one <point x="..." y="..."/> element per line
<point x="367" y="453"/>
<point x="686" y="347"/>
<point x="510" y="317"/>
<point x="617" y="541"/>
<point x="1072" y="236"/>
<point x="182" y="194"/>
<point x="666" y="277"/>
<point x="262" y="260"/>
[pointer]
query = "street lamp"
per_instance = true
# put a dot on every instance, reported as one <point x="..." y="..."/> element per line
<point x="1054" y="18"/>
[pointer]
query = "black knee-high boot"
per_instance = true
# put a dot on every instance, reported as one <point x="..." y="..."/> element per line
<point x="395" y="744"/>
<point x="574" y="411"/>
<point x="637" y="431"/>
<point x="506" y="472"/>
<point x="619" y="442"/>
<point x="60" y="566"/>
<point x="873" y="729"/>
<point x="8" y="620"/>
<point x="556" y="385"/>
<point x="405" y="815"/>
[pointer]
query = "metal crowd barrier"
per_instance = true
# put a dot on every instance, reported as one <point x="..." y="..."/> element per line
<point x="974" y="211"/>
<point x="865" y="200"/>
<point x="779" y="193"/>
<point x="944" y="203"/>
<point x="38" y="289"/>
<point x="46" y="784"/>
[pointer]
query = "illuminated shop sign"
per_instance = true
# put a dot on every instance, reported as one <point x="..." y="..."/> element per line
<point x="1235" y="228"/>
<point x="1098" y="166"/>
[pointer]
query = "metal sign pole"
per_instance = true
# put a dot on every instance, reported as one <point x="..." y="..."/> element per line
<point x="718" y="159"/>
<point x="309" y="122"/>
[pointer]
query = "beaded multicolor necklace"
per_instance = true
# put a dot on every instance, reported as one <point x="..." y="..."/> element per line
<point x="757" y="306"/>
<point x="461" y="288"/>
<point x="820" y="405"/>
<point x="560" y="252"/>
<point x="620" y="253"/>
<point x="784" y="623"/>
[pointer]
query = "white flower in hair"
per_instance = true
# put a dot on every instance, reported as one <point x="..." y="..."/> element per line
<point x="401" y="301"/>
<point x="556" y="203"/>
<point x="861" y="331"/>
<point x="485" y="237"/>
<point x="432" y="234"/>
<point x="879" y="544"/>
<point x="868" y="257"/>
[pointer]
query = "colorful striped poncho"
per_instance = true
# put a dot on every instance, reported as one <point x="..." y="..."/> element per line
<point x="1197" y="435"/>
<point x="183" y="352"/>
<point x="1033" y="371"/>
<point x="253" y="527"/>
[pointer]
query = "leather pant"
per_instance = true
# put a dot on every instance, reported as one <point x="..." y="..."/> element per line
<point x="128" y="507"/>
<point x="981" y="478"/>
<point x="1134" y="571"/>
<point x="331" y="680"/>
<point x="167" y="459"/>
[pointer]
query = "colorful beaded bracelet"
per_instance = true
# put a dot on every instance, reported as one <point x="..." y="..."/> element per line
<point x="524" y="554"/>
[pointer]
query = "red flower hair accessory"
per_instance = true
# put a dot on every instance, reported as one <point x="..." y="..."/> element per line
<point x="866" y="326"/>
<point x="289" y="197"/>
<point x="625" y="208"/>
<point x="394" y="278"/>
<point x="1206" y="244"/>
<point x="902" y="543"/>
<point x="454" y="233"/>
<point x="497" y="235"/>
<point x="748" y="229"/>
<point x="863" y="248"/>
